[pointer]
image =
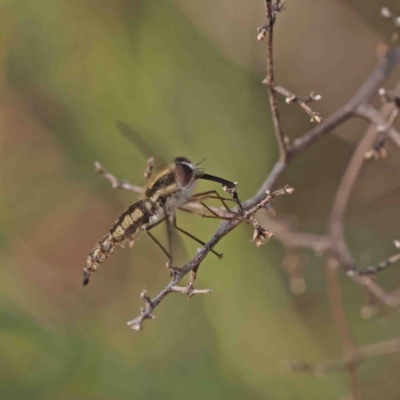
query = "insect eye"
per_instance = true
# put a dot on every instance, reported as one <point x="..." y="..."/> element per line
<point x="184" y="174"/>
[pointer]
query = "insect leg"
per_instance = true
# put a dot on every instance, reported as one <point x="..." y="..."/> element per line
<point x="213" y="212"/>
<point x="215" y="216"/>
<point x="156" y="240"/>
<point x="160" y="246"/>
<point x="212" y="194"/>
<point x="209" y="192"/>
<point x="169" y="233"/>
<point x="192" y="237"/>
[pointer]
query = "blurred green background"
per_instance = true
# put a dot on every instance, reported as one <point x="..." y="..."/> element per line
<point x="190" y="73"/>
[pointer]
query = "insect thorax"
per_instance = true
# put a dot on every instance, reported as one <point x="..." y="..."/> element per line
<point x="166" y="191"/>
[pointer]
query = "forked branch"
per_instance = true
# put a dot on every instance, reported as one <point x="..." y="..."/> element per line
<point x="193" y="265"/>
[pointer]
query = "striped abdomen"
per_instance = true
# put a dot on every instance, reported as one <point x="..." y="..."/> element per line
<point x="129" y="225"/>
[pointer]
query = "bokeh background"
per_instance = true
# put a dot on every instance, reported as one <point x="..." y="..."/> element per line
<point x="187" y="74"/>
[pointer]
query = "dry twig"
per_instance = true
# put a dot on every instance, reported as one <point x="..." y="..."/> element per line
<point x="116" y="183"/>
<point x="381" y="266"/>
<point x="193" y="265"/>
<point x="363" y="353"/>
<point x="267" y="32"/>
<point x="342" y="325"/>
<point x="302" y="101"/>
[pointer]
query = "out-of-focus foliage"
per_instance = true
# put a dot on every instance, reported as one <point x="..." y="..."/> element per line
<point x="172" y="69"/>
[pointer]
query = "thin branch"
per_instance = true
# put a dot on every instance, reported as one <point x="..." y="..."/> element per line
<point x="363" y="96"/>
<point x="193" y="265"/>
<point x="116" y="183"/>
<point x="364" y="353"/>
<point x="369" y="284"/>
<point x="342" y="325"/>
<point x="381" y="266"/>
<point x="146" y="313"/>
<point x="383" y="126"/>
<point x="293" y="239"/>
<point x="389" y="97"/>
<point x="259" y="232"/>
<point x="268" y="184"/>
<point x="276" y="8"/>
<point x="189" y="290"/>
<point x="302" y="101"/>
<point x="335" y="228"/>
<point x="343" y="195"/>
<point x="268" y="32"/>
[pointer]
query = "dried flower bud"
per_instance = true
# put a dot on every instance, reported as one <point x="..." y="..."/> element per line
<point x="385" y="12"/>
<point x="262" y="33"/>
<point x="382" y="128"/>
<point x="288" y="189"/>
<point x="290" y="99"/>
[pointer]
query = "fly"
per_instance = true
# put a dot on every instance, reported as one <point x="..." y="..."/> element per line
<point x="169" y="190"/>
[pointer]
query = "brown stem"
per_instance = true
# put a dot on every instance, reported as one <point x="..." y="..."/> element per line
<point x="339" y="315"/>
<point x="280" y="137"/>
<point x="335" y="228"/>
<point x="302" y="101"/>
<point x="364" y="353"/>
<point x="363" y="96"/>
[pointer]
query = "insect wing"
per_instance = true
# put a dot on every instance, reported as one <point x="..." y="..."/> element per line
<point x="139" y="143"/>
